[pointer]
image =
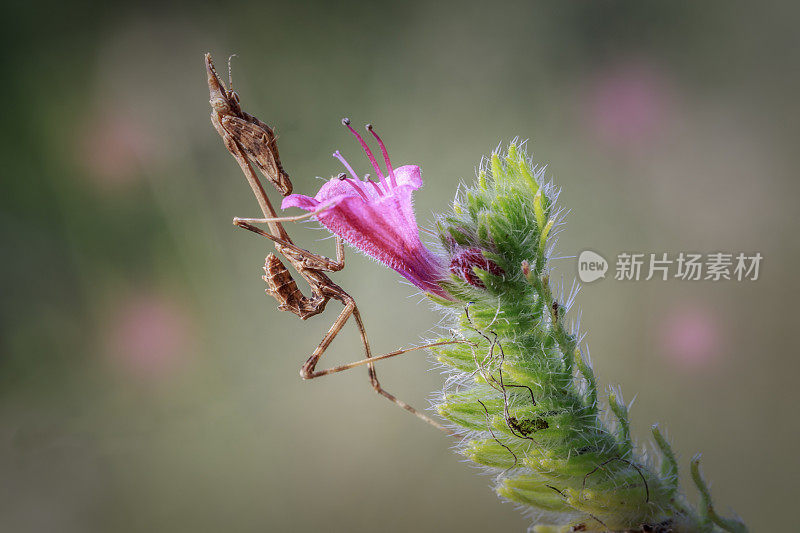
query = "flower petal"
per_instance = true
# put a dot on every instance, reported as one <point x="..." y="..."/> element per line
<point x="410" y="175"/>
<point x="380" y="229"/>
<point x="337" y="187"/>
<point x="300" y="200"/>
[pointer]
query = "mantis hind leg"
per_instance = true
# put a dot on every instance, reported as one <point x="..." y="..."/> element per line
<point x="309" y="368"/>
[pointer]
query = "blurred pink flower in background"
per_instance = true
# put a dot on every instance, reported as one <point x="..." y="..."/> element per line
<point x="149" y="336"/>
<point x="627" y="104"/>
<point x="114" y="146"/>
<point x="690" y="337"/>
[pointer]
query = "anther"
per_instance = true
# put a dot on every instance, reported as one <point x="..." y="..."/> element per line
<point x="360" y="139"/>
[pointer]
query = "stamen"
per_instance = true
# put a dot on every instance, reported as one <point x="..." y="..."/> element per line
<point x="346" y="122"/>
<point x="344" y="162"/>
<point x="377" y="187"/>
<point x="357" y="187"/>
<point x="385" y="155"/>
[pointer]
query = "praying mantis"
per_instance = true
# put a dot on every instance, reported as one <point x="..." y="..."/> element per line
<point x="249" y="140"/>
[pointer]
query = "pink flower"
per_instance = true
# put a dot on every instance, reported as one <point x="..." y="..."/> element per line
<point x="115" y="146"/>
<point x="690" y="336"/>
<point x="629" y="104"/>
<point x="377" y="217"/>
<point x="149" y="336"/>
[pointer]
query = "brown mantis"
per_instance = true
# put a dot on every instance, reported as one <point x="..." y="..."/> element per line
<point x="250" y="140"/>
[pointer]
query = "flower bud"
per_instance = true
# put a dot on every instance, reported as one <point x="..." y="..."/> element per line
<point x="466" y="259"/>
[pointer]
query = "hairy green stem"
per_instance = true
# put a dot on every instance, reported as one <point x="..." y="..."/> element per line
<point x="523" y="389"/>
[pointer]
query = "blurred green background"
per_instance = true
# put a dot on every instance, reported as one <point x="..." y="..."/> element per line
<point x="148" y="384"/>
